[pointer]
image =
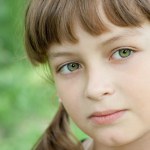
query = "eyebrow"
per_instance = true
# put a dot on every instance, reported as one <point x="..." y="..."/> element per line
<point x="60" y="54"/>
<point x="120" y="37"/>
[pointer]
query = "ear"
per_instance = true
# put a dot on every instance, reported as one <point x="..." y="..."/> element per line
<point x="59" y="99"/>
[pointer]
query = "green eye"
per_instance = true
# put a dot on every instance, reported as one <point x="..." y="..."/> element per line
<point x="72" y="66"/>
<point x="125" y="52"/>
<point x="69" y="68"/>
<point x="122" y="53"/>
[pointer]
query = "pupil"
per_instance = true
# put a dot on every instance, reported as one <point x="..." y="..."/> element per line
<point x="72" y="67"/>
<point x="124" y="53"/>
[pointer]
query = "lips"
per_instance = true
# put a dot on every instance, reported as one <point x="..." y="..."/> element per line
<point x="106" y="117"/>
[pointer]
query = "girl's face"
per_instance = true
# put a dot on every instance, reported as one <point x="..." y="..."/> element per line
<point x="104" y="83"/>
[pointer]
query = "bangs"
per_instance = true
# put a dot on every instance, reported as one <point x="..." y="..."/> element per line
<point x="127" y="12"/>
<point x="54" y="21"/>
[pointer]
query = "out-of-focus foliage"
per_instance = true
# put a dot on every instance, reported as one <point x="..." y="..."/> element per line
<point x="11" y="30"/>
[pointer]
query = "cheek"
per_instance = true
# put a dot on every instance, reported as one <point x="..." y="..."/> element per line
<point x="70" y="93"/>
<point x="136" y="87"/>
<point x="72" y="102"/>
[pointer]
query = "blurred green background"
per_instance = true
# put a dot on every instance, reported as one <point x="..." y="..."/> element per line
<point x="27" y="99"/>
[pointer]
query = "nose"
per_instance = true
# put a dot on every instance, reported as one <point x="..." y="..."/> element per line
<point x="99" y="85"/>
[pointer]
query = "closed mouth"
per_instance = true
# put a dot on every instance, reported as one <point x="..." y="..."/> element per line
<point x="106" y="117"/>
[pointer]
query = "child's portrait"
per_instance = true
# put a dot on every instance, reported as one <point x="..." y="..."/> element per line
<point x="98" y="53"/>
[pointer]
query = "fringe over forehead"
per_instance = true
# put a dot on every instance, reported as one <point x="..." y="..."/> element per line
<point x="52" y="21"/>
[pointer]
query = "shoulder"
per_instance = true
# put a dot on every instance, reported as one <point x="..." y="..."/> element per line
<point x="87" y="144"/>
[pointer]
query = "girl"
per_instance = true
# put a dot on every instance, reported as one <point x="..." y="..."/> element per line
<point x="98" y="53"/>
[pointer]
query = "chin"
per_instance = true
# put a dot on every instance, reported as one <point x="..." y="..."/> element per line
<point x="118" y="141"/>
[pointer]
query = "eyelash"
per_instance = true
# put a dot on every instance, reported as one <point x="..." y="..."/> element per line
<point x="64" y="69"/>
<point x="124" y="50"/>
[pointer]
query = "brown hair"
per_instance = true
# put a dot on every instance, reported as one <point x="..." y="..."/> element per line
<point x="53" y="21"/>
<point x="58" y="135"/>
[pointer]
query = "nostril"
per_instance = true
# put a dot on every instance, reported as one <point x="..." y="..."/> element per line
<point x="99" y="94"/>
<point x="106" y="93"/>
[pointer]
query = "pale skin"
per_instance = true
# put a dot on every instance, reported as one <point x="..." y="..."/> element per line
<point x="107" y="72"/>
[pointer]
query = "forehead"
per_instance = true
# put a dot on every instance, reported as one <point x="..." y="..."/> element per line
<point x="113" y="32"/>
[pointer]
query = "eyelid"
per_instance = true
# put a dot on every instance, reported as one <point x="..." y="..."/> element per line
<point x="133" y="49"/>
<point x="58" y="69"/>
<point x="124" y="47"/>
